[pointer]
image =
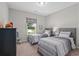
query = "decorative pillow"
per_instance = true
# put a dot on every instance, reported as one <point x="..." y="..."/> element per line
<point x="56" y="33"/>
<point x="64" y="34"/>
<point x="44" y="35"/>
<point x="72" y="43"/>
<point x="47" y="32"/>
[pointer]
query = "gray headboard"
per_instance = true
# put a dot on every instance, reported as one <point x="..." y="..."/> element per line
<point x="48" y="28"/>
<point x="72" y="30"/>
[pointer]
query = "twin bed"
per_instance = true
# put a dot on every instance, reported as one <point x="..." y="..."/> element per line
<point x="58" y="46"/>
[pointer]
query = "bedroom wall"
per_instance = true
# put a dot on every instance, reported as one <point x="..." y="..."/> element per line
<point x="3" y="12"/>
<point x="78" y="24"/>
<point x="19" y="20"/>
<point x="68" y="17"/>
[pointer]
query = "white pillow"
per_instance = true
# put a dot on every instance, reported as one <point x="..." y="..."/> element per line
<point x="72" y="43"/>
<point x="47" y="32"/>
<point x="64" y="34"/>
<point x="56" y="34"/>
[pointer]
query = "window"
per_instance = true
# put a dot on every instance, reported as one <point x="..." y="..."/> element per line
<point x="31" y="26"/>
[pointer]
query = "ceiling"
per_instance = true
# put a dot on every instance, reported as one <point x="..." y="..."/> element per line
<point x="36" y="8"/>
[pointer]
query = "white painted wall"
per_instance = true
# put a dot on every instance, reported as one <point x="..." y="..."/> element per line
<point x="3" y="12"/>
<point x="64" y="18"/>
<point x="68" y="17"/>
<point x="19" y="20"/>
<point x="78" y="25"/>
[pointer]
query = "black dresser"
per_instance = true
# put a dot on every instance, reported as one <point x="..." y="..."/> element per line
<point x="7" y="41"/>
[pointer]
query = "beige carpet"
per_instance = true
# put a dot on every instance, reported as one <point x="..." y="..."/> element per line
<point x="74" y="53"/>
<point x="26" y="49"/>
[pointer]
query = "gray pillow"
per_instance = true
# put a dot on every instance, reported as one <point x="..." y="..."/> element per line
<point x="44" y="35"/>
